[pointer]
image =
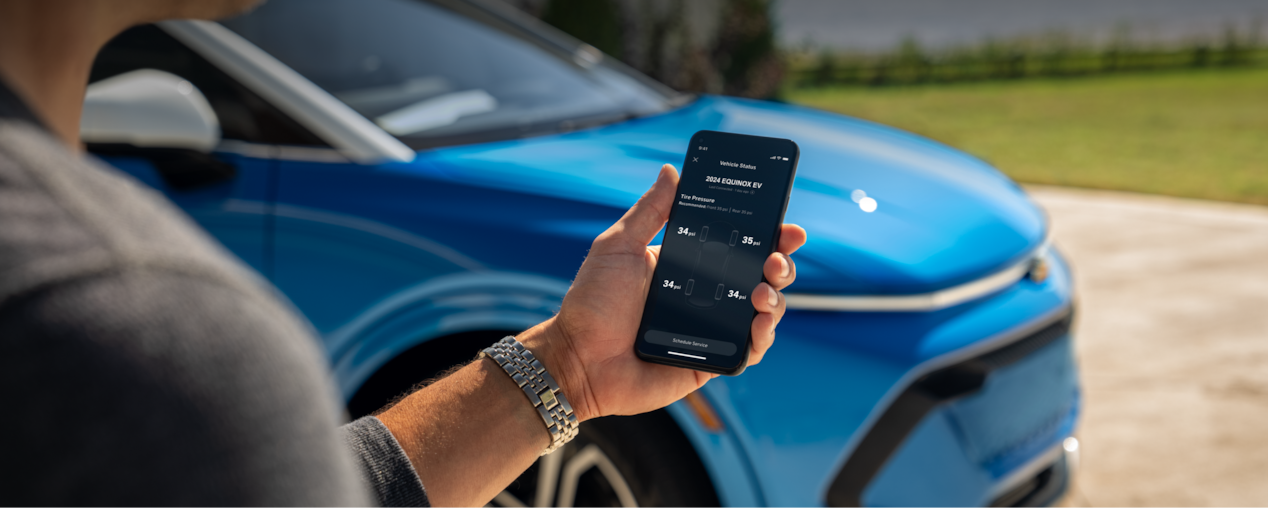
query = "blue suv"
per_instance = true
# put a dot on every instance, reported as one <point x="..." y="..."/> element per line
<point x="421" y="178"/>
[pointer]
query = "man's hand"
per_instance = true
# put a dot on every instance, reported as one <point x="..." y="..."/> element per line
<point x="589" y="345"/>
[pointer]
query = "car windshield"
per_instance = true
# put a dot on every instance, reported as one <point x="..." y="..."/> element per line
<point x="432" y="77"/>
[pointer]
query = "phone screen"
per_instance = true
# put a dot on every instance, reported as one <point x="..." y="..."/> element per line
<point x="725" y="221"/>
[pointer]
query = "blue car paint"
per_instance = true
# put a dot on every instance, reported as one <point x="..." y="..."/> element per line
<point x="438" y="307"/>
<point x="798" y="437"/>
<point x="944" y="217"/>
<point x="724" y="458"/>
<point x="235" y="212"/>
<point x="487" y="237"/>
<point x="979" y="440"/>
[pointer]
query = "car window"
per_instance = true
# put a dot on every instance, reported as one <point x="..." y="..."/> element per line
<point x="243" y="115"/>
<point x="431" y="76"/>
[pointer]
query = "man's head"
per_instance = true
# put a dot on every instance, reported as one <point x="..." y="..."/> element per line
<point x="104" y="18"/>
<point x="149" y="11"/>
<point x="47" y="46"/>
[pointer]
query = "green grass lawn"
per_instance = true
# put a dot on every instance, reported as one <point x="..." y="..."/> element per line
<point x="1200" y="134"/>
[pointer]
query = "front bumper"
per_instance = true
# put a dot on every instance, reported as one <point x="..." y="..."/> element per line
<point x="995" y="445"/>
<point x="798" y="417"/>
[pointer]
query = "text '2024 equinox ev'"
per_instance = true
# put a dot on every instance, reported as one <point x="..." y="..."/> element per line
<point x="423" y="178"/>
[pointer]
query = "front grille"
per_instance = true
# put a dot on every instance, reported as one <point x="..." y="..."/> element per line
<point x="1039" y="490"/>
<point x="922" y="396"/>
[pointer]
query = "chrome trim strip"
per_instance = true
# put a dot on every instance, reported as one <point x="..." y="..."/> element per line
<point x="920" y="302"/>
<point x="281" y="152"/>
<point x="352" y="134"/>
<point x="1072" y="456"/>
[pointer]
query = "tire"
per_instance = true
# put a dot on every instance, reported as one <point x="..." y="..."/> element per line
<point x="642" y="460"/>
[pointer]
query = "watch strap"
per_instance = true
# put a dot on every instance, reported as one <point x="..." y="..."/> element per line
<point x="539" y="386"/>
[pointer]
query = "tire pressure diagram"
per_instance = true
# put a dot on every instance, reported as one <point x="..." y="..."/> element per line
<point x="707" y="284"/>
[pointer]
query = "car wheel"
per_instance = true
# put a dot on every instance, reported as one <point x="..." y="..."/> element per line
<point x="642" y="460"/>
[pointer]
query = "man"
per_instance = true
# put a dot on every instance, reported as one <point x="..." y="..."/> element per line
<point x="139" y="364"/>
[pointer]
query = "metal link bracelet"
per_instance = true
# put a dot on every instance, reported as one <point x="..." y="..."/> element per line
<point x="540" y="388"/>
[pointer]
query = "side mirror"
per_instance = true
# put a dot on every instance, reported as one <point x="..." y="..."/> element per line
<point x="149" y="108"/>
<point x="158" y="116"/>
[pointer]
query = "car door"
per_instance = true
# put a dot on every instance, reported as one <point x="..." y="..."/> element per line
<point x="351" y="236"/>
<point x="234" y="206"/>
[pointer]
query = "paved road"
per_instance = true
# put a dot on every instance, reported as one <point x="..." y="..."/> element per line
<point x="1173" y="345"/>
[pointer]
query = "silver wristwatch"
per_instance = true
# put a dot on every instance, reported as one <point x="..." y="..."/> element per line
<point x="539" y="386"/>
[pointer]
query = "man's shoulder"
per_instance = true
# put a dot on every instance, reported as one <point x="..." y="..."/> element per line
<point x="64" y="216"/>
<point x="142" y="363"/>
<point x="152" y="384"/>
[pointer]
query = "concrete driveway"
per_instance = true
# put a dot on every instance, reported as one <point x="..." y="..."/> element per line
<point x="1173" y="345"/>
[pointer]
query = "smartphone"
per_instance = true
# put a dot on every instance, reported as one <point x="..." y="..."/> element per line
<point x="724" y="223"/>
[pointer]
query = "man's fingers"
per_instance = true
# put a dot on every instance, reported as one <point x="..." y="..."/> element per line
<point x="763" y="338"/>
<point x="767" y="299"/>
<point x="770" y="309"/>
<point x="640" y="224"/>
<point x="791" y="238"/>
<point x="780" y="270"/>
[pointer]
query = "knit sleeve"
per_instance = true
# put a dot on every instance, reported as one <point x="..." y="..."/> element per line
<point x="386" y="469"/>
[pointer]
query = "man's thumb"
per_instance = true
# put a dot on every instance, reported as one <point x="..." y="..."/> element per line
<point x="641" y="223"/>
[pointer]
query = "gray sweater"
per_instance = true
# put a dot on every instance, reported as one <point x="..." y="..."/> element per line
<point x="141" y="364"/>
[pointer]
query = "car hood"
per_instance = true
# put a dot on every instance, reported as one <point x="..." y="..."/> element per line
<point x="942" y="217"/>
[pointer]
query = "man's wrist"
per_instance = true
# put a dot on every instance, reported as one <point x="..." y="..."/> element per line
<point x="554" y="349"/>
<point x="528" y="418"/>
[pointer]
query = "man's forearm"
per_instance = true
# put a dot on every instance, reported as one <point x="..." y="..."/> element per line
<point x="470" y="434"/>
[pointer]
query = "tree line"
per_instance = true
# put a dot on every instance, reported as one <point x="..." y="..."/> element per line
<point x="1050" y="55"/>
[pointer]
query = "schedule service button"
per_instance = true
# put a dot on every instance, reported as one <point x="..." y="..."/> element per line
<point x="690" y="343"/>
